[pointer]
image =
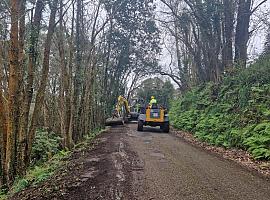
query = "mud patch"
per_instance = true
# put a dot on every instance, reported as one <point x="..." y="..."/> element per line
<point x="95" y="159"/>
<point x="91" y="174"/>
<point x="103" y="171"/>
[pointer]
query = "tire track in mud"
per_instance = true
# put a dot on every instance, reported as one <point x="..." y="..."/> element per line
<point x="107" y="171"/>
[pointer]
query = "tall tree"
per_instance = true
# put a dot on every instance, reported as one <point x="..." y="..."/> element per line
<point x="242" y="31"/>
<point x="134" y="43"/>
<point x="12" y="114"/>
<point x="228" y="32"/>
<point x="204" y="36"/>
<point x="245" y="10"/>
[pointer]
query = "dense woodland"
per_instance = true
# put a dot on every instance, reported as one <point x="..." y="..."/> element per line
<point x="211" y="37"/>
<point x="63" y="63"/>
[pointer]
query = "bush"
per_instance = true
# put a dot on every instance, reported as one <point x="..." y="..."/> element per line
<point x="258" y="143"/>
<point x="45" y="146"/>
<point x="40" y="173"/>
<point x="235" y="113"/>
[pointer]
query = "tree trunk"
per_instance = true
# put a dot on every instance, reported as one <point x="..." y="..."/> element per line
<point x="12" y="93"/>
<point x="64" y="88"/>
<point x="20" y="165"/>
<point x="78" y="72"/>
<point x="28" y="92"/>
<point x="43" y="82"/>
<point x="242" y="32"/>
<point x="228" y="33"/>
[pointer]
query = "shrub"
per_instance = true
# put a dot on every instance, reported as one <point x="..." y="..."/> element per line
<point x="45" y="146"/>
<point x="235" y="113"/>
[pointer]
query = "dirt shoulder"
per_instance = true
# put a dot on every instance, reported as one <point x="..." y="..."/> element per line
<point x="101" y="171"/>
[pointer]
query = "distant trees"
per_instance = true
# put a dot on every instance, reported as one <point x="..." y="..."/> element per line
<point x="133" y="44"/>
<point x="163" y="91"/>
<point x="210" y="37"/>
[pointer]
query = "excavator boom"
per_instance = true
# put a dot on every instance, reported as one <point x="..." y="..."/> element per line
<point x="120" y="114"/>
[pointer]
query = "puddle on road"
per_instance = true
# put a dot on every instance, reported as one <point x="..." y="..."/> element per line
<point x="137" y="164"/>
<point x="120" y="175"/>
<point x="158" y="155"/>
<point x="147" y="141"/>
<point x="119" y="158"/>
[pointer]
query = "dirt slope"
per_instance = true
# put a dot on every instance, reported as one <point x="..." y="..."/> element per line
<point x="126" y="164"/>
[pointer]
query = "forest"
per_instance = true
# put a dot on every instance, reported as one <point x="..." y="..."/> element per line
<point x="63" y="63"/>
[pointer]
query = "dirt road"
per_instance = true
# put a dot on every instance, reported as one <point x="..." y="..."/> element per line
<point x="150" y="165"/>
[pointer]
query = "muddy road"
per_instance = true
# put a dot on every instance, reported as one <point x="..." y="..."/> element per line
<point x="151" y="165"/>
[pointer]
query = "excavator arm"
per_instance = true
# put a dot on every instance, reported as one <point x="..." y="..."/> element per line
<point x="122" y="106"/>
<point x="121" y="112"/>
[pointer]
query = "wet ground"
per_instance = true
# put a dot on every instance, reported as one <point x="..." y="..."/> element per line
<point x="125" y="164"/>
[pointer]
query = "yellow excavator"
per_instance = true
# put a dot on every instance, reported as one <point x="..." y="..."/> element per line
<point x="121" y="113"/>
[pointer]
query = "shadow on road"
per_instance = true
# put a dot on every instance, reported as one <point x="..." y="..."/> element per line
<point x="149" y="129"/>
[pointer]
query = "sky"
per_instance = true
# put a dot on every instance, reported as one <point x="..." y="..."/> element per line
<point x="256" y="41"/>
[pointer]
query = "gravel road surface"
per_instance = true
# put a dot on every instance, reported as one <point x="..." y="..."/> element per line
<point x="125" y="164"/>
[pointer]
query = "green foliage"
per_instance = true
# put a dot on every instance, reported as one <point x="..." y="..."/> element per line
<point x="258" y="143"/>
<point x="235" y="113"/>
<point x="40" y="173"/>
<point x="3" y="193"/>
<point x="45" y="145"/>
<point x="162" y="90"/>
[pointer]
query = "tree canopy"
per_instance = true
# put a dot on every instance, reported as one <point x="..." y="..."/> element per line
<point x="163" y="91"/>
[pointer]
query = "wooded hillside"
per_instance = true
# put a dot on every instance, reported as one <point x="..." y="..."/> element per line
<point x="234" y="113"/>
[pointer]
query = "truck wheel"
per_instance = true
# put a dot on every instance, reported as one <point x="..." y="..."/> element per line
<point x="140" y="126"/>
<point x="166" y="127"/>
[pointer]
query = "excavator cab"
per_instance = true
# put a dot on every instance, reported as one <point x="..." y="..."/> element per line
<point x="154" y="116"/>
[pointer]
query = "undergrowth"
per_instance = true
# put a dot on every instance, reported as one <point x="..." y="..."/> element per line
<point x="234" y="113"/>
<point x="47" y="158"/>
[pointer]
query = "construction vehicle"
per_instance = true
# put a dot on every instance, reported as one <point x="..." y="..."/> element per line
<point x="154" y="116"/>
<point x="121" y="113"/>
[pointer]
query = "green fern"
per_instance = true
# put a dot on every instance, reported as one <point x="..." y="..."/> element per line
<point x="235" y="113"/>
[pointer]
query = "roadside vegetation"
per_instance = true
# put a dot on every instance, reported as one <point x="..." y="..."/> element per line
<point x="47" y="158"/>
<point x="233" y="113"/>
